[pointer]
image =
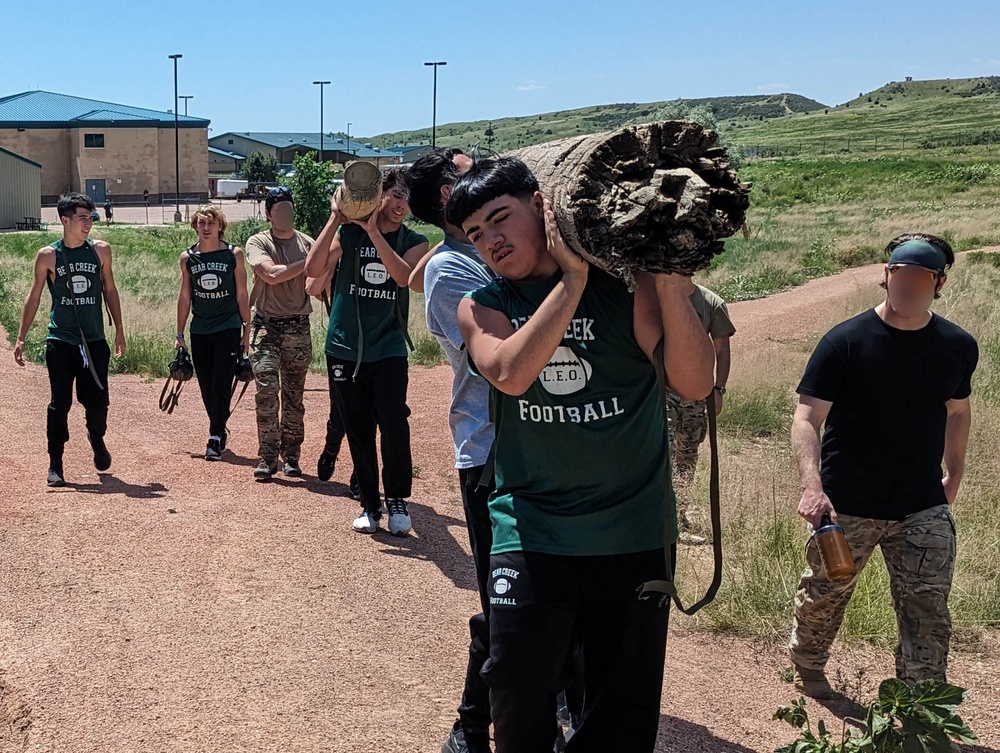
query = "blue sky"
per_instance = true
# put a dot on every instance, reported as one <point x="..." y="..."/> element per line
<point x="250" y="65"/>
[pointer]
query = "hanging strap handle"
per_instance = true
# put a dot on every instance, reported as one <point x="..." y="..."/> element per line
<point x="667" y="589"/>
<point x="170" y="394"/>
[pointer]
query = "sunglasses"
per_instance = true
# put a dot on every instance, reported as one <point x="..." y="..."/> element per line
<point x="918" y="271"/>
<point x="280" y="191"/>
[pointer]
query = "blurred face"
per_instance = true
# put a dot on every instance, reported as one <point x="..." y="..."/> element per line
<point x="208" y="228"/>
<point x="910" y="288"/>
<point x="282" y="216"/>
<point x="509" y="235"/>
<point x="395" y="205"/>
<point x="79" y="223"/>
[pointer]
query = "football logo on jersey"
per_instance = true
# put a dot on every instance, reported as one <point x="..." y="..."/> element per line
<point x="375" y="273"/>
<point x="80" y="284"/>
<point x="565" y="372"/>
<point x="209" y="282"/>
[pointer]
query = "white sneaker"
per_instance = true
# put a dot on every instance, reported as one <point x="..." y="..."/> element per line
<point x="365" y="523"/>
<point x="399" y="518"/>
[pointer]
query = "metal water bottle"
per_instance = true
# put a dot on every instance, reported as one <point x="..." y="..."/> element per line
<point x="834" y="551"/>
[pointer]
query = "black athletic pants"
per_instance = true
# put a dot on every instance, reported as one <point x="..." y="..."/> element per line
<point x="474" y="712"/>
<point x="549" y="612"/>
<point x="376" y="397"/>
<point x="214" y="357"/>
<point x="66" y="363"/>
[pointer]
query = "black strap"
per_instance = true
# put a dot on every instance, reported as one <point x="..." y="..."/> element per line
<point x="242" y="393"/>
<point x="666" y="589"/>
<point x="402" y="316"/>
<point x="170" y="394"/>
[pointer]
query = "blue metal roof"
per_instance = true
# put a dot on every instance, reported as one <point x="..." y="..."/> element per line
<point x="18" y="156"/>
<point x="309" y="141"/>
<point x="41" y="109"/>
<point x="224" y="153"/>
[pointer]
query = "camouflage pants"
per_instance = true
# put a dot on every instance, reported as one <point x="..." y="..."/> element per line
<point x="280" y="354"/>
<point x="919" y="553"/>
<point x="686" y="429"/>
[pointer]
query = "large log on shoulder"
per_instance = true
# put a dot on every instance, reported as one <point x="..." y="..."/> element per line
<point x="657" y="197"/>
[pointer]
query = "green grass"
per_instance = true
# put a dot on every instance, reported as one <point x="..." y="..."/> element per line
<point x="146" y="272"/>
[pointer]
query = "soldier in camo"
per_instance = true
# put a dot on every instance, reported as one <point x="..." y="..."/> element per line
<point x="280" y="343"/>
<point x="919" y="552"/>
<point x="889" y="392"/>
<point x="687" y="424"/>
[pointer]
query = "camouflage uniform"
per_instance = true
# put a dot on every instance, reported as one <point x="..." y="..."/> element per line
<point x="919" y="553"/>
<point x="280" y="351"/>
<point x="687" y="428"/>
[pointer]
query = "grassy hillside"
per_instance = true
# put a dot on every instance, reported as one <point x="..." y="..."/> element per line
<point x="900" y="117"/>
<point x="511" y="133"/>
<point x="909" y="116"/>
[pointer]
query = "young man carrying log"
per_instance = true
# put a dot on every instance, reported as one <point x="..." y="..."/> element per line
<point x="578" y="523"/>
<point x="78" y="274"/>
<point x="366" y="344"/>
<point x="452" y="271"/>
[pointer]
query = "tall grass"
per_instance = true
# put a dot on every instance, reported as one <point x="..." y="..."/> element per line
<point x="146" y="267"/>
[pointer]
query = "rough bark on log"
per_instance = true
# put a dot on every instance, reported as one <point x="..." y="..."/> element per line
<point x="657" y="197"/>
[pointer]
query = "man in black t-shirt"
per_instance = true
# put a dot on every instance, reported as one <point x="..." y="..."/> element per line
<point x="890" y="388"/>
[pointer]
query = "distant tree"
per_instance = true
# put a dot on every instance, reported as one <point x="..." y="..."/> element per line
<point x="260" y="168"/>
<point x="310" y="184"/>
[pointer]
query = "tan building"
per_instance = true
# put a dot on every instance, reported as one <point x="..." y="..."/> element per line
<point x="104" y="149"/>
<point x="287" y="146"/>
<point x="20" y="191"/>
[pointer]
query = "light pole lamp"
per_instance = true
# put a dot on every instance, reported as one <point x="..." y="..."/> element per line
<point x="320" y="84"/>
<point x="177" y="148"/>
<point x="348" y="139"/>
<point x="435" y="104"/>
<point x="186" y="97"/>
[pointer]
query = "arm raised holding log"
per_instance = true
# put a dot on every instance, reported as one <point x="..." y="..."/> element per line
<point x="581" y="479"/>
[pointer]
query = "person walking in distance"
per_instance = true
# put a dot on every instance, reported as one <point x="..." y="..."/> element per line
<point x="79" y="275"/>
<point x="213" y="293"/>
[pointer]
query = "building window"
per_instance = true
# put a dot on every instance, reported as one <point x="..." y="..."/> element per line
<point x="93" y="140"/>
<point x="230" y="142"/>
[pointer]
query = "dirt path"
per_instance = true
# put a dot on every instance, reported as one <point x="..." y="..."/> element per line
<point x="172" y="605"/>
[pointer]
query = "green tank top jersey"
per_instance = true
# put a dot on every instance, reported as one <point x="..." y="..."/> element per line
<point x="214" y="307"/>
<point x="580" y="455"/>
<point x="368" y="310"/>
<point x="77" y="295"/>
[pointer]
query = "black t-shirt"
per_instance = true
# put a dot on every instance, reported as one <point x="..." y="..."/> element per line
<point x="883" y="441"/>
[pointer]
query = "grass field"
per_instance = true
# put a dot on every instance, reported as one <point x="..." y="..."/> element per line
<point x="147" y="274"/>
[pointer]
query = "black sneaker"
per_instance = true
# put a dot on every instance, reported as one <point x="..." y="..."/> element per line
<point x="264" y="471"/>
<point x="214" y="449"/>
<point x="354" y="487"/>
<point x="56" y="476"/>
<point x="223" y="441"/>
<point x="291" y="467"/>
<point x="325" y="466"/>
<point x="102" y="458"/>
<point x="466" y="741"/>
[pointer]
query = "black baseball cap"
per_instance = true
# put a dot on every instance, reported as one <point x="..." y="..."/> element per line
<point x="921" y="254"/>
<point x="278" y="195"/>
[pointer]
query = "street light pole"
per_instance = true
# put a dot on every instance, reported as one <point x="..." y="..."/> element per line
<point x="186" y="97"/>
<point x="321" y="84"/>
<point x="435" y="106"/>
<point x="177" y="148"/>
<point x="348" y="139"/>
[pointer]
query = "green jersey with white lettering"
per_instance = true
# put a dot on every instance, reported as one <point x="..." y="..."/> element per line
<point x="580" y="455"/>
